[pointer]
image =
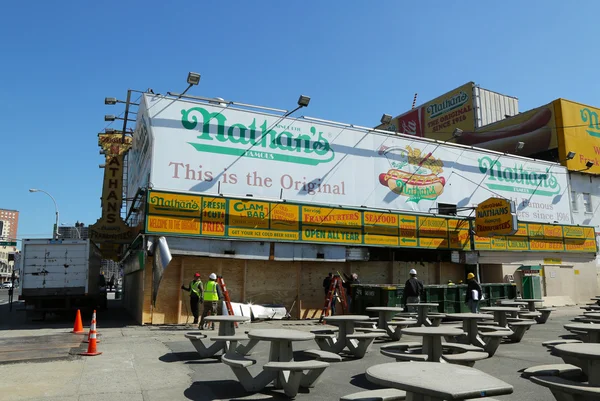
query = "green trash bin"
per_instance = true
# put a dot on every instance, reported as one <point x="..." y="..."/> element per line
<point x="435" y="294"/>
<point x="391" y="296"/>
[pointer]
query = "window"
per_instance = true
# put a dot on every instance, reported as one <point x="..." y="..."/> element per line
<point x="587" y="203"/>
<point x="574" y="201"/>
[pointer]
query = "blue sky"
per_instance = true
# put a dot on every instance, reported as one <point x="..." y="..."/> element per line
<point x="356" y="59"/>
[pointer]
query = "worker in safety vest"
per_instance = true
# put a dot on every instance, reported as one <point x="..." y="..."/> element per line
<point x="212" y="295"/>
<point x="195" y="289"/>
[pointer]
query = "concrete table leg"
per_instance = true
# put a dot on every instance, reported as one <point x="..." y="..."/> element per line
<point x="500" y="317"/>
<point x="207" y="352"/>
<point x="594" y="337"/>
<point x="593" y="373"/>
<point x="470" y="326"/>
<point x="226" y="329"/>
<point x="432" y="346"/>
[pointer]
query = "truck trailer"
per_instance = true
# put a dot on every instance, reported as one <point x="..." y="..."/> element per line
<point x="58" y="276"/>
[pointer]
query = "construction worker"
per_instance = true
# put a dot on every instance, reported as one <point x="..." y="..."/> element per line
<point x="474" y="293"/>
<point x="195" y="289"/>
<point x="450" y="282"/>
<point x="350" y="280"/>
<point x="212" y="295"/>
<point x="413" y="288"/>
<point x="326" y="284"/>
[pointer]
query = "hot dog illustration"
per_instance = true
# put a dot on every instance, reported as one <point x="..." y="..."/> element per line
<point x="533" y="132"/>
<point x="412" y="174"/>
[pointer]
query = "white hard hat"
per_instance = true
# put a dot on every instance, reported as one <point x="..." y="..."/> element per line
<point x="212" y="276"/>
<point x="413" y="271"/>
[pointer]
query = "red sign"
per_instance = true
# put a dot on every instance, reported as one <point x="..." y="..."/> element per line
<point x="410" y="123"/>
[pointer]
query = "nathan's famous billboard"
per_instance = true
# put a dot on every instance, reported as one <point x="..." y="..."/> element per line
<point x="207" y="149"/>
<point x="578" y="129"/>
<point x="438" y="118"/>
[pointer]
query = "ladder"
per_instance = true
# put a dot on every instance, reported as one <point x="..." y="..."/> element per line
<point x="221" y="283"/>
<point x="336" y="284"/>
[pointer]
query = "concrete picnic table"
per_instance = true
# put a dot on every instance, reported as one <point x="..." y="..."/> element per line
<point x="386" y="314"/>
<point x="356" y="343"/>
<point x="592" y="330"/>
<point x="586" y="356"/>
<point x="511" y="303"/>
<point x="423" y="312"/>
<point x="500" y="313"/>
<point x="469" y="322"/>
<point x="432" y="339"/>
<point x="437" y="381"/>
<point x="531" y="303"/>
<point x="281" y="340"/>
<point x="596" y="299"/>
<point x="225" y="339"/>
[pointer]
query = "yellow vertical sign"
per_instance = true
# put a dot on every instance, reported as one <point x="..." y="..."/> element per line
<point x="213" y="216"/>
<point x="285" y="216"/>
<point x="408" y="230"/>
<point x="250" y="214"/>
<point x="381" y="228"/>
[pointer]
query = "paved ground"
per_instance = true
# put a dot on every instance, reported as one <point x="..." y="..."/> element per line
<point x="158" y="363"/>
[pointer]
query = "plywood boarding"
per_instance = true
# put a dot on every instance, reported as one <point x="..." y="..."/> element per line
<point x="133" y="294"/>
<point x="311" y="285"/>
<point x="147" y="314"/>
<point x="270" y="282"/>
<point x="452" y="271"/>
<point x="192" y="265"/>
<point x="372" y="272"/>
<point x="165" y="310"/>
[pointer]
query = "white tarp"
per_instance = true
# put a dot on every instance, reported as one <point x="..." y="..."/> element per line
<point x="221" y="150"/>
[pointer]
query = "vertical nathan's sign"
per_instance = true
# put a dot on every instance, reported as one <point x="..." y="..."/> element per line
<point x="110" y="229"/>
<point x="495" y="216"/>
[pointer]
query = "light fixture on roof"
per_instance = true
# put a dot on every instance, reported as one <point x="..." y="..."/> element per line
<point x="193" y="78"/>
<point x="457" y="133"/>
<point x="589" y="164"/>
<point x="570" y="155"/>
<point x="303" y="101"/>
<point x="520" y="146"/>
<point x="110" y="117"/>
<point x="386" y="119"/>
<point x="110" y="100"/>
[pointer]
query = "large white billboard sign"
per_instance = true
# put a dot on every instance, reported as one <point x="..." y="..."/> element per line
<point x="216" y="150"/>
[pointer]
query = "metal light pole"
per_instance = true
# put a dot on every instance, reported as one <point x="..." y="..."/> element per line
<point x="75" y="227"/>
<point x="55" y="231"/>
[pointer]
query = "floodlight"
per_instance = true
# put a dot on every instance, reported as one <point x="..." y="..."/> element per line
<point x="193" y="78"/>
<point x="570" y="155"/>
<point x="110" y="100"/>
<point x="303" y="101"/>
<point x="386" y="119"/>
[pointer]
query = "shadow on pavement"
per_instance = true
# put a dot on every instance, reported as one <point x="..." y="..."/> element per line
<point x="17" y="318"/>
<point x="362" y="382"/>
<point x="233" y="390"/>
<point x="179" y="357"/>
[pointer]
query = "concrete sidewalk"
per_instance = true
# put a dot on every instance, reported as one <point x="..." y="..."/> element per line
<point x="158" y="363"/>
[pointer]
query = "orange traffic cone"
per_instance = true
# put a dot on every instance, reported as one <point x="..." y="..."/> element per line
<point x="78" y="326"/>
<point x="87" y="339"/>
<point x="91" y="351"/>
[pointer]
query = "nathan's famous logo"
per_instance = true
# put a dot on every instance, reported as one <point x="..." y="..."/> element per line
<point x="518" y="178"/>
<point x="591" y="118"/>
<point x="413" y="174"/>
<point x="171" y="203"/>
<point x="449" y="104"/>
<point x="257" y="140"/>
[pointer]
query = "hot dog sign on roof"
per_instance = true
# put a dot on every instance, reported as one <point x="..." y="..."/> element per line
<point x="208" y="149"/>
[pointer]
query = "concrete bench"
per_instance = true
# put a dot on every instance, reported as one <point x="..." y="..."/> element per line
<point x="239" y="364"/>
<point x="465" y="358"/>
<point x="359" y="343"/>
<point x="566" y="389"/>
<point x="402" y="346"/>
<point x="296" y="377"/>
<point x="545" y="314"/>
<point x="519" y="328"/>
<point x="385" y="394"/>
<point x="553" y="343"/>
<point x="204" y="351"/>
<point x="530" y="315"/>
<point x="369" y="324"/>
<point x="455" y="348"/>
<point x="382" y="332"/>
<point x="493" y="339"/>
<point x="400" y="356"/>
<point x="321" y="355"/>
<point x="231" y="343"/>
<point x="562" y="369"/>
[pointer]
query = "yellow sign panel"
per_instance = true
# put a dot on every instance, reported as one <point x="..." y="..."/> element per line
<point x="522" y="230"/>
<point x="174" y="204"/>
<point x="433" y="227"/>
<point x="213" y="216"/>
<point x="498" y="243"/>
<point x="332" y="234"/>
<point x="578" y="245"/>
<point x="515" y="243"/>
<point x="552" y="261"/>
<point x="458" y="224"/>
<point x="589" y="233"/>
<point x="251" y="214"/>
<point x="377" y="239"/>
<point x="285" y="217"/>
<point x="448" y="112"/>
<point x="578" y="130"/>
<point x="495" y="216"/>
<point x="546" y="245"/>
<point x="433" y="242"/>
<point x="408" y="227"/>
<point x="263" y="234"/>
<point x="175" y="225"/>
<point x="482" y="242"/>
<point x="551" y="231"/>
<point x="535" y="230"/>
<point x="381" y="219"/>
<point x="331" y="217"/>
<point x="460" y="239"/>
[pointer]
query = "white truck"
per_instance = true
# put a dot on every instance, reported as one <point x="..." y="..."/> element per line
<point x="60" y="275"/>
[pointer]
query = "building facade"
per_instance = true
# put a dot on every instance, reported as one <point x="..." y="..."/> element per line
<point x="78" y="231"/>
<point x="9" y="225"/>
<point x="274" y="204"/>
